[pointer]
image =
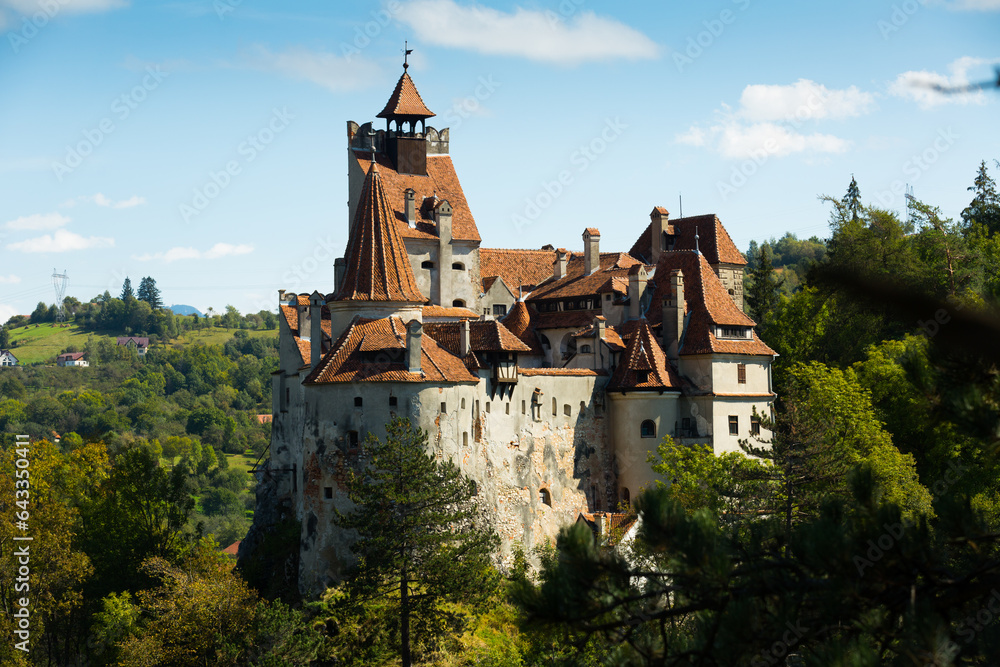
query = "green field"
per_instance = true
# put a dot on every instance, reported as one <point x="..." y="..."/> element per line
<point x="43" y="342"/>
<point x="242" y="461"/>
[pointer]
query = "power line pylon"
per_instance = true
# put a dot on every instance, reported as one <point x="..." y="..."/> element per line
<point x="59" y="281"/>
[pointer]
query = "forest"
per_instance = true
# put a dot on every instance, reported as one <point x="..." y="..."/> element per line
<point x="863" y="532"/>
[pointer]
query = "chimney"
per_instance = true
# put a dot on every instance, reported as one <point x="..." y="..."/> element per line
<point x="442" y="215"/>
<point x="673" y="315"/>
<point x="463" y="339"/>
<point x="339" y="271"/>
<point x="414" y="330"/>
<point x="316" y="302"/>
<point x="591" y="250"/>
<point x="636" y="286"/>
<point x="560" y="265"/>
<point x="410" y="207"/>
<point x="659" y="224"/>
<point x="600" y="327"/>
<point x="281" y="297"/>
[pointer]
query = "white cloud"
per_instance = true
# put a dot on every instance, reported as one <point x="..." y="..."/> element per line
<point x="803" y="100"/>
<point x="973" y="5"/>
<point x="39" y="221"/>
<point x="9" y="280"/>
<point x="217" y="251"/>
<point x="61" y="241"/>
<point x="101" y="200"/>
<point x="6" y="312"/>
<point x="543" y="36"/>
<point x="329" y="70"/>
<point x="930" y="89"/>
<point x="27" y="7"/>
<point x="769" y="121"/>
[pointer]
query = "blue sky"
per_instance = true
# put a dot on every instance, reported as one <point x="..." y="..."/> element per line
<point x="203" y="143"/>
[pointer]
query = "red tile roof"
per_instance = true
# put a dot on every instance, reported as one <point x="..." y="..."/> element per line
<point x="350" y="359"/>
<point x="70" y="356"/>
<point x="441" y="180"/>
<point x="518" y="322"/>
<point x="140" y="341"/>
<point x="405" y="101"/>
<point x="443" y="311"/>
<point x="560" y="372"/>
<point x="592" y="231"/>
<point x="642" y="354"/>
<point x="563" y="319"/>
<point x="525" y="268"/>
<point x="611" y="336"/>
<point x="713" y="240"/>
<point x="577" y="284"/>
<point x="378" y="267"/>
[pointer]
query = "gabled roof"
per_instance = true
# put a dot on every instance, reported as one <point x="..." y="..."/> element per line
<point x="350" y="359"/>
<point x="291" y="317"/>
<point x="405" y="101"/>
<point x="3" y="352"/>
<point x="378" y="268"/>
<point x="577" y="284"/>
<point x="139" y="341"/>
<point x="518" y="268"/>
<point x="70" y="356"/>
<point x="713" y="239"/>
<point x="487" y="336"/>
<point x="642" y="354"/>
<point x="441" y="180"/>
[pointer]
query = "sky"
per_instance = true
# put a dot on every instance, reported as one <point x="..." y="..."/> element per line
<point x="203" y="142"/>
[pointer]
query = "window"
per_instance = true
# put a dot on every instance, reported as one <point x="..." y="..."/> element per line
<point x="352" y="440"/>
<point x="288" y="397"/>
<point x="626" y="496"/>
<point x="427" y="264"/>
<point x="734" y="425"/>
<point x="741" y="373"/>
<point x="508" y="407"/>
<point x="544" y="497"/>
<point x="393" y="401"/>
<point x="328" y="492"/>
<point x="641" y="376"/>
<point x="488" y="404"/>
<point x="567" y="410"/>
<point x="499" y="309"/>
<point x="585" y="349"/>
<point x="607" y="297"/>
<point x="463" y="403"/>
<point x="465" y="438"/>
<point x="357" y="401"/>
<point x="648" y="429"/>
<point x="555" y="407"/>
<point x="458" y="266"/>
<point x="755" y="425"/>
<point x="444" y="407"/>
<point x="523" y="406"/>
<point x="458" y="303"/>
<point x="596" y="499"/>
<point x="732" y="332"/>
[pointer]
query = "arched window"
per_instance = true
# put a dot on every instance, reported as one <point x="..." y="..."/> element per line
<point x="648" y="429"/>
<point x="626" y="496"/>
<point x="458" y="266"/>
<point x="463" y="403"/>
<point x="427" y="264"/>
<point x="458" y="303"/>
<point x="544" y="497"/>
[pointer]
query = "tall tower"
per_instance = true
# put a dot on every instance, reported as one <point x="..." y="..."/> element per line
<point x="404" y="145"/>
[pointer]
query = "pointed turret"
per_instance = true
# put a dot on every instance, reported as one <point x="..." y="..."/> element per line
<point x="405" y="146"/>
<point x="378" y="268"/>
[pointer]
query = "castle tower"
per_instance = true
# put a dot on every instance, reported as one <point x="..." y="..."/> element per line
<point x="404" y="145"/>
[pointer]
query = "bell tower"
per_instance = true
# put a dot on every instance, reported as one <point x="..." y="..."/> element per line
<point x="405" y="145"/>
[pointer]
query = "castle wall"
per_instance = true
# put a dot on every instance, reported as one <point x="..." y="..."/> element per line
<point x="731" y="277"/>
<point x="628" y="411"/>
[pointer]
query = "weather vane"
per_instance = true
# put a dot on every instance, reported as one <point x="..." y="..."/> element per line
<point x="406" y="55"/>
<point x="371" y="138"/>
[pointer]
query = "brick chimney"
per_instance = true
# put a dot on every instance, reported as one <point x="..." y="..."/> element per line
<point x="591" y="250"/>
<point x="316" y="302"/>
<point x="463" y="339"/>
<point x="562" y="258"/>
<point x="410" y="207"/>
<point x="637" y="278"/>
<point x="673" y="315"/>
<point x="659" y="220"/>
<point x="414" y="330"/>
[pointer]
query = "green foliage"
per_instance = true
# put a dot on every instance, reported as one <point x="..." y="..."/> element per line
<point x="984" y="210"/>
<point x="150" y="293"/>
<point x="127" y="293"/>
<point x="763" y="294"/>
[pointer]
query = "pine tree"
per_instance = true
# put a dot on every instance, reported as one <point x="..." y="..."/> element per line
<point x="127" y="292"/>
<point x="4" y="338"/>
<point x="421" y="539"/>
<point x="852" y="200"/>
<point x="764" y="291"/>
<point x="985" y="206"/>
<point x="149" y="293"/>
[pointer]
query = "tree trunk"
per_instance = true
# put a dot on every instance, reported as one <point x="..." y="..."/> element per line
<point x="404" y="621"/>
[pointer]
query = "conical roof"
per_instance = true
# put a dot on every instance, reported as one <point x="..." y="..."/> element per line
<point x="642" y="364"/>
<point x="378" y="268"/>
<point x="405" y="101"/>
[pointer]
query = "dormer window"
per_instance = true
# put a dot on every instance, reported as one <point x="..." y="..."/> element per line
<point x="732" y="332"/>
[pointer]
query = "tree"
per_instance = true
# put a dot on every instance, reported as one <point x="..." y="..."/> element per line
<point x="150" y="293"/>
<point x="4" y="338"/>
<point x="985" y="206"/>
<point x="764" y="292"/>
<point x="421" y="538"/>
<point x="852" y="200"/>
<point x="40" y="314"/>
<point x="127" y="292"/>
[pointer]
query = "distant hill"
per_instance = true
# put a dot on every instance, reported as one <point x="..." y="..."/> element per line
<point x="186" y="310"/>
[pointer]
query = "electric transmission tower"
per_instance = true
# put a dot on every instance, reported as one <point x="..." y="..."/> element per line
<point x="59" y="281"/>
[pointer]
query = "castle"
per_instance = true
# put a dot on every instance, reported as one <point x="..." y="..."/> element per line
<point x="546" y="375"/>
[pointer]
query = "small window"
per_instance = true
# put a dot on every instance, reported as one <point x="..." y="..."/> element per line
<point x="465" y="438"/>
<point x="648" y="429"/>
<point x="458" y="303"/>
<point x="755" y="425"/>
<point x="544" y="497"/>
<point x="463" y="403"/>
<point x="358" y="401"/>
<point x="288" y="396"/>
<point x="458" y="266"/>
<point x="568" y="411"/>
<point x="595" y="499"/>
<point x="393" y="401"/>
<point x="499" y="309"/>
<point x="328" y="492"/>
<point x="585" y="349"/>
<point x="427" y="265"/>
<point x="473" y="487"/>
<point x="555" y="407"/>
<point x="734" y="425"/>
<point x="741" y="373"/>
<point x="641" y="376"/>
<point x="626" y="496"/>
<point x="686" y="424"/>
<point x="488" y="404"/>
<point x="732" y="292"/>
<point x="352" y="439"/>
<point x="444" y="408"/>
<point x="523" y="407"/>
<point x="508" y="408"/>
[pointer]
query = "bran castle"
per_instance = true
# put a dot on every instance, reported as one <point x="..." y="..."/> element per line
<point x="546" y="375"/>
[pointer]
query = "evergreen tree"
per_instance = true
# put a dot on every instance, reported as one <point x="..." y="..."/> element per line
<point x="764" y="292"/>
<point x="127" y="292"/>
<point x="150" y="293"/>
<point x="4" y="338"/>
<point x="852" y="200"/>
<point x="421" y="538"/>
<point x="985" y="206"/>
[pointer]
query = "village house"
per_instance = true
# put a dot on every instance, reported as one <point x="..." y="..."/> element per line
<point x="137" y="344"/>
<point x="547" y="375"/>
<point x="7" y="358"/>
<point x="72" y="359"/>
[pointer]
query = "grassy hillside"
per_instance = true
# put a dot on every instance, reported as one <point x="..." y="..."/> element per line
<point x="40" y="344"/>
